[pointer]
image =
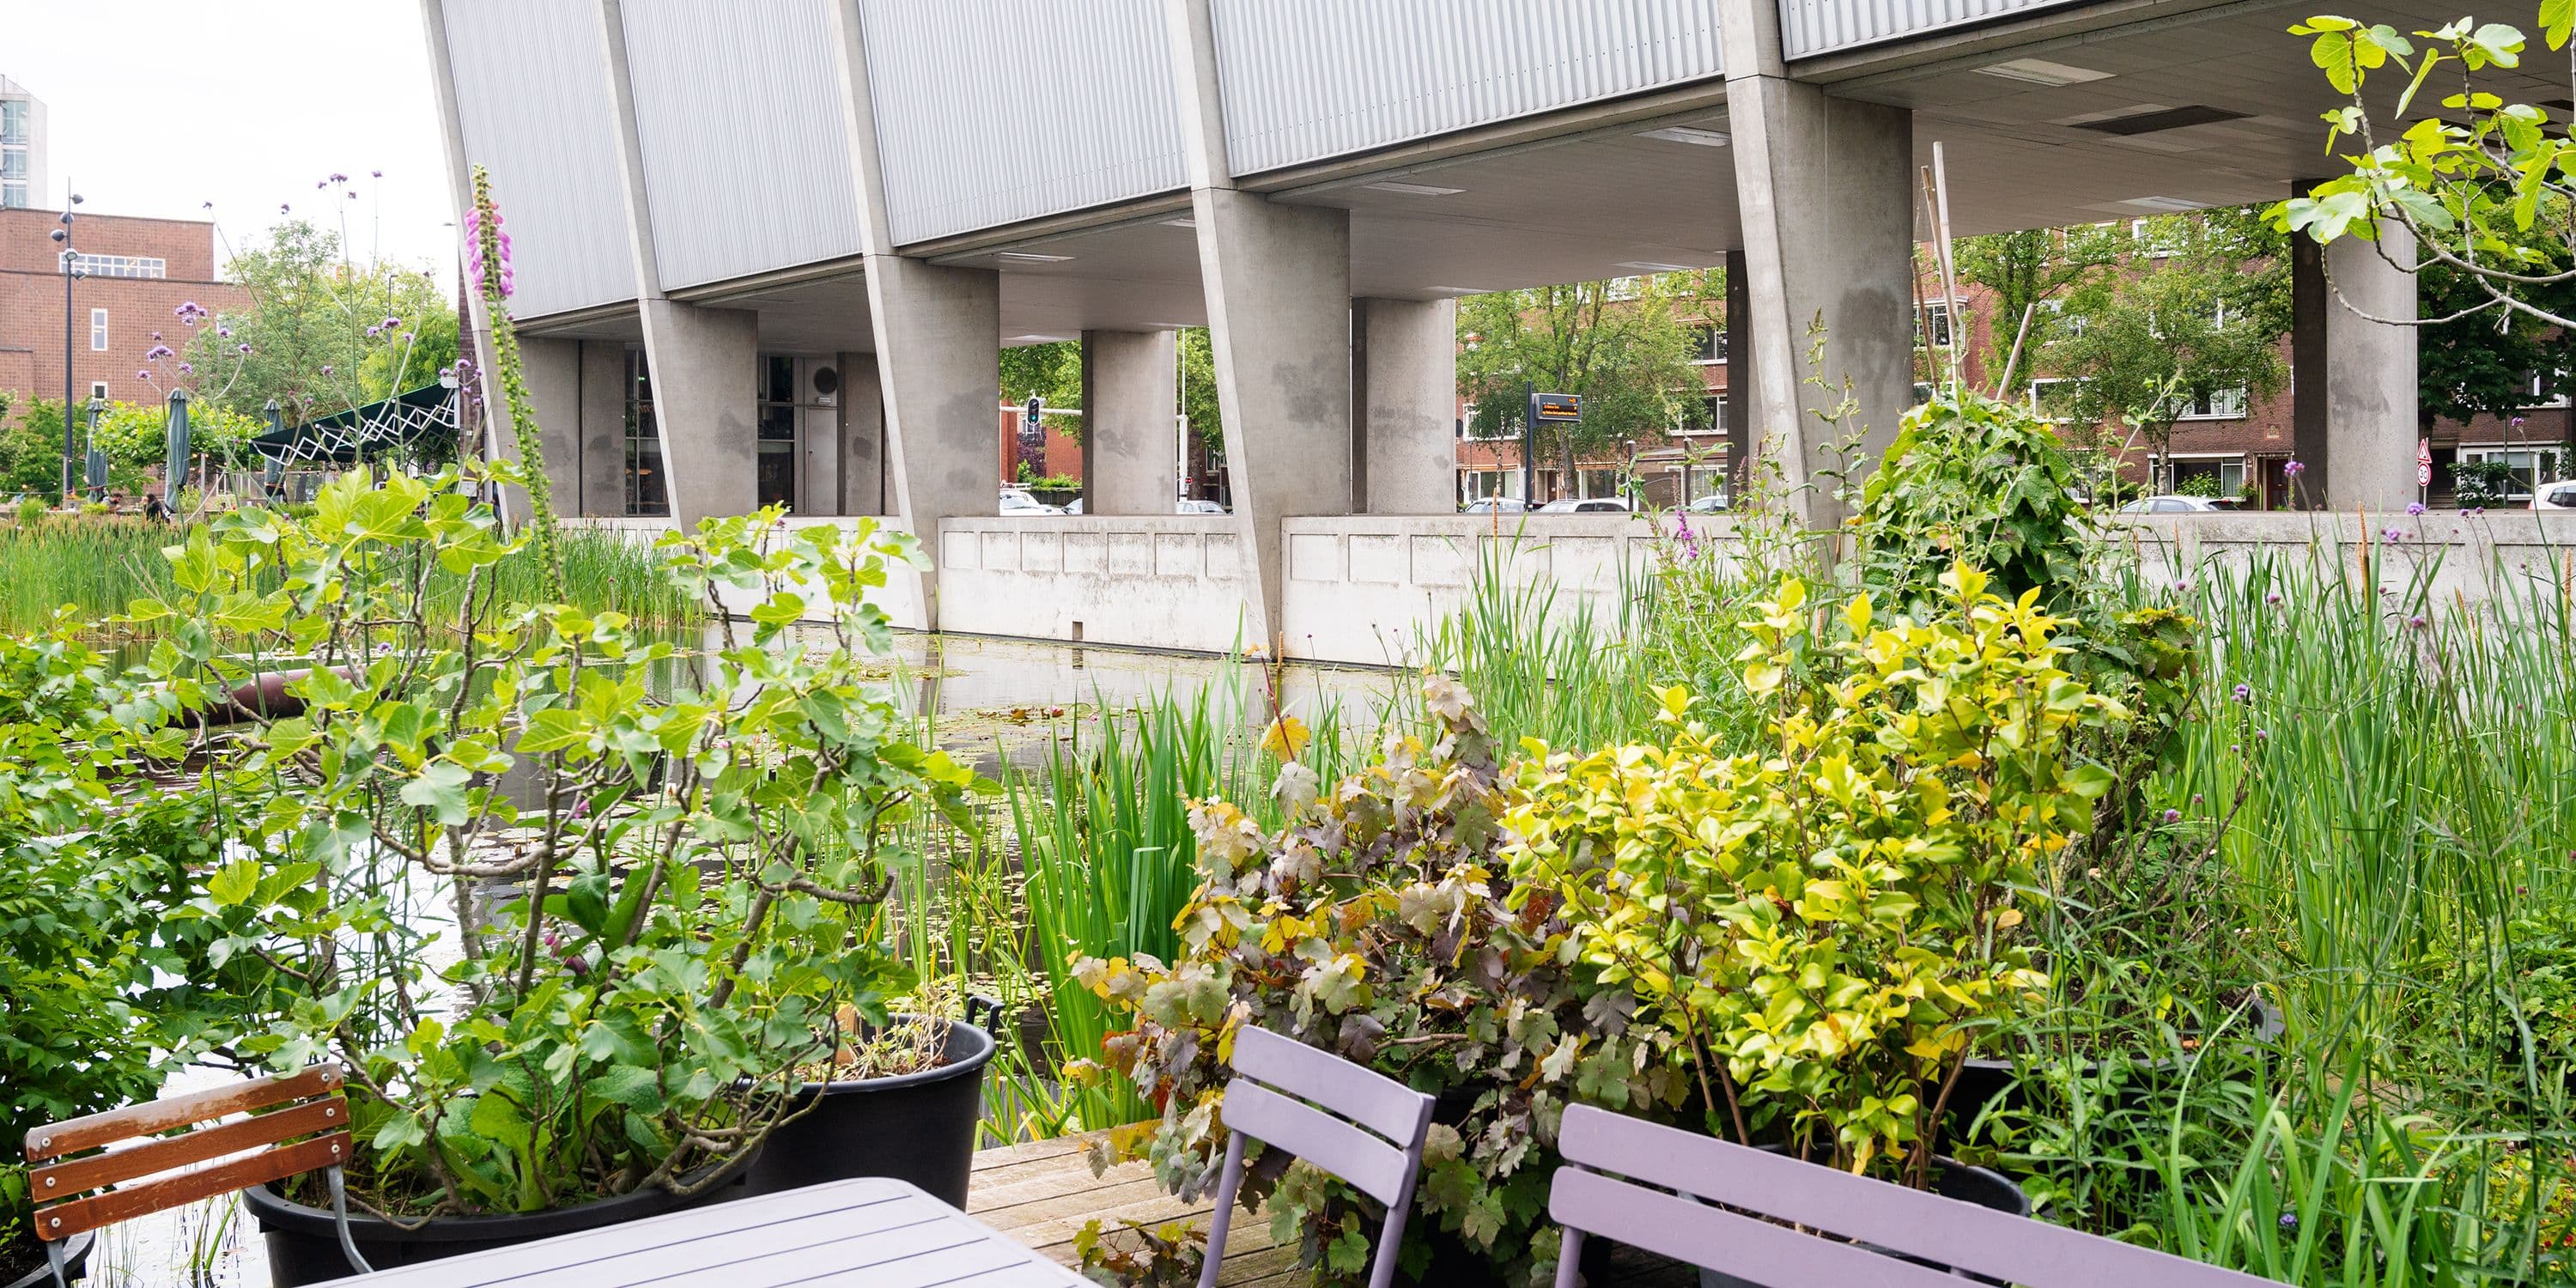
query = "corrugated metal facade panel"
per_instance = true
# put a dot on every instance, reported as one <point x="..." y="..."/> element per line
<point x="1308" y="79"/>
<point x="746" y="150"/>
<point x="993" y="111"/>
<point x="533" y="99"/>
<point x="1811" y="27"/>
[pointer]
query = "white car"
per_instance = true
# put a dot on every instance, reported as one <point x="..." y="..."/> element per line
<point x="1016" y="500"/>
<point x="1707" y="505"/>
<point x="1585" y="505"/>
<point x="2171" y="505"/>
<point x="2560" y="495"/>
<point x="1195" y="506"/>
<point x="1493" y="505"/>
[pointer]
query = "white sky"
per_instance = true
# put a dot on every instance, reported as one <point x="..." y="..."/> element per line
<point x="159" y="106"/>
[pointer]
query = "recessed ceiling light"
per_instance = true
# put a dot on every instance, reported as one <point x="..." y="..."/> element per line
<point x="1413" y="189"/>
<point x="2159" y="119"/>
<point x="1032" y="257"/>
<point x="1652" y="266"/>
<point x="2039" y="71"/>
<point x="2162" y="205"/>
<point x="1018" y="340"/>
<point x="1690" y="134"/>
<point x="1183" y="222"/>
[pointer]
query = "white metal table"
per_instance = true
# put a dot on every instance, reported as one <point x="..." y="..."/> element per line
<point x="873" y="1231"/>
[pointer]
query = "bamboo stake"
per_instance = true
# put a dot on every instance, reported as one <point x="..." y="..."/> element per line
<point x="2003" y="387"/>
<point x="1949" y="267"/>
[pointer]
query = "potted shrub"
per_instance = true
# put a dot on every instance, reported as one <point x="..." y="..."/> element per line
<point x="1375" y="925"/>
<point x="887" y="1102"/>
<point x="663" y="903"/>
<point x="1830" y="922"/>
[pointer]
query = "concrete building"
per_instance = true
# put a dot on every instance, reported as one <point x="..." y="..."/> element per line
<point x="699" y="193"/>
<point x="135" y="273"/>
<point x="23" y="148"/>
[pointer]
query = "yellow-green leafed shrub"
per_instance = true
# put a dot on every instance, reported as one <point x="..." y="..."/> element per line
<point x="1829" y="922"/>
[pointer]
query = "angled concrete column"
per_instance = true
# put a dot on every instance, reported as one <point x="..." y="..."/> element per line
<point x="1130" y="441"/>
<point x="864" y="486"/>
<point x="1405" y="456"/>
<point x="706" y="387"/>
<point x="603" y="431"/>
<point x="2353" y="411"/>
<point x="1279" y="318"/>
<point x="552" y="370"/>
<point x="1826" y="190"/>
<point x="938" y="333"/>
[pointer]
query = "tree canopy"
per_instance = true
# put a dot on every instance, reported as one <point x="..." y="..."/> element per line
<point x="2195" y="319"/>
<point x="322" y="333"/>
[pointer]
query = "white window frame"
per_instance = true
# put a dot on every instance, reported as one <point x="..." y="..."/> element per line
<point x="1716" y="344"/>
<point x="1509" y="432"/>
<point x="2033" y="397"/>
<point x="2531" y="390"/>
<point x="98" y="330"/>
<point x="1946" y="312"/>
<point x="1477" y="485"/>
<point x="98" y="391"/>
<point x="134" y="266"/>
<point x="2228" y="463"/>
<point x="2226" y="404"/>
<point x="2545" y="462"/>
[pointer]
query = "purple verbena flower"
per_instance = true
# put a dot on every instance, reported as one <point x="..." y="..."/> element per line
<point x="2273" y="597"/>
<point x="187" y="368"/>
<point x="2417" y="621"/>
<point x="143" y="375"/>
<point x="2414" y="507"/>
<point x="2294" y="468"/>
<point x="156" y="352"/>
<point x="326" y="368"/>
<point x="2245" y="693"/>
<point x="2173" y="816"/>
<point x="245" y="349"/>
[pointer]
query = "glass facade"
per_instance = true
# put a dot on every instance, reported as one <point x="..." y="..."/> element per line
<point x="645" y="492"/>
<point x="777" y="464"/>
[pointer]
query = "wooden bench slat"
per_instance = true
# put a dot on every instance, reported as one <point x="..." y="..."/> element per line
<point x="63" y="1220"/>
<point x="56" y="1181"/>
<point x="153" y="1117"/>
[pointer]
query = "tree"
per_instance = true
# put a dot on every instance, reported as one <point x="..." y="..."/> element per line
<point x="1627" y="356"/>
<point x="1198" y="389"/>
<point x="1053" y="372"/>
<point x="2032" y="267"/>
<point x="322" y="334"/>
<point x="2196" y="317"/>
<point x="2476" y="361"/>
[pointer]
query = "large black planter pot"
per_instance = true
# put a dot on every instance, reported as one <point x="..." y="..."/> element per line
<point x="1951" y="1179"/>
<point x="75" y="1263"/>
<point x="304" y="1248"/>
<point x="918" y="1127"/>
<point x="1985" y="1080"/>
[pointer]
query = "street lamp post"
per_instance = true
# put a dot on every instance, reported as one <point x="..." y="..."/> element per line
<point x="71" y="270"/>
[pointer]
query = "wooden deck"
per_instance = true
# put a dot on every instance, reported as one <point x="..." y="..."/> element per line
<point x="1042" y="1193"/>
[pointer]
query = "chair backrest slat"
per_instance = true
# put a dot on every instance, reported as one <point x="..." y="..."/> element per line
<point x="1688" y="1231"/>
<point x="1372" y="1166"/>
<point x="1947" y="1231"/>
<point x="161" y="1153"/>
<point x="153" y="1117"/>
<point x="63" y="1220"/>
<point x="1371" y="1099"/>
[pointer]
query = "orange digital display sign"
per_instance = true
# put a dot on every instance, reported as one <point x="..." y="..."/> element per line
<point x="1556" y="409"/>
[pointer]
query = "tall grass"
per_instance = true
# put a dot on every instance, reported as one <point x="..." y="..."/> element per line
<point x="1545" y="663"/>
<point x="98" y="565"/>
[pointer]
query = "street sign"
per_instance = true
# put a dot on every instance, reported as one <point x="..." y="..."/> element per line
<point x="1556" y="409"/>
<point x="2423" y="462"/>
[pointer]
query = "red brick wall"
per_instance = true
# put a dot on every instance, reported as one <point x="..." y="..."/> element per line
<point x="31" y="301"/>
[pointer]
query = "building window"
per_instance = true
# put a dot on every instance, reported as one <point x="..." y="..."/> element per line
<point x="98" y="391"/>
<point x="775" y="468"/>
<point x="13" y="163"/>
<point x="1600" y="483"/>
<point x="2054" y="399"/>
<point x="13" y="120"/>
<point x="13" y="195"/>
<point x="645" y="491"/>
<point x="1708" y="344"/>
<point x="2530" y="465"/>
<point x="2218" y="478"/>
<point x="1476" y="485"/>
<point x="2226" y="404"/>
<point x="1932" y="322"/>
<point x="1712" y="416"/>
<point x="120" y="266"/>
<point x="98" y="330"/>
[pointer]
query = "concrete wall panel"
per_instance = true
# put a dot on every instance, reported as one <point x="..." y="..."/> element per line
<point x="1303" y="80"/>
<point x="746" y="150"/>
<point x="535" y="108"/>
<point x="1811" y="27"/>
<point x="994" y="111"/>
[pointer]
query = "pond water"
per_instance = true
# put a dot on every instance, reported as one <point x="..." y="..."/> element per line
<point x="989" y="701"/>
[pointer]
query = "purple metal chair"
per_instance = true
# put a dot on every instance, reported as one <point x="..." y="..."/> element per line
<point x="1653" y="1187"/>
<point x="1363" y="1127"/>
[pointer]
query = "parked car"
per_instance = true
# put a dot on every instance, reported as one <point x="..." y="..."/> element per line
<point x="1194" y="506"/>
<point x="2171" y="505"/>
<point x="2560" y="495"/>
<point x="1707" y="505"/>
<point x="1073" y="506"/>
<point x="1493" y="505"/>
<point x="1585" y="505"/>
<point x="1016" y="500"/>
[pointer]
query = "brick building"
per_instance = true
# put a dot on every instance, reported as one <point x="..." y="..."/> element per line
<point x="136" y="274"/>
